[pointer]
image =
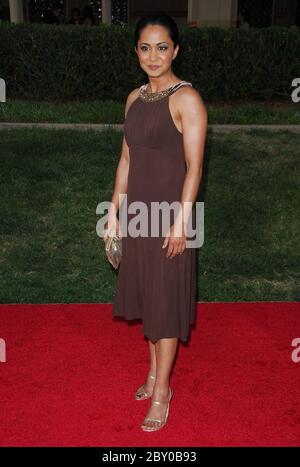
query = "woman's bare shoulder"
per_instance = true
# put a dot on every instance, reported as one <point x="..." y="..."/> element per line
<point x="189" y="95"/>
<point x="132" y="96"/>
<point x="189" y="101"/>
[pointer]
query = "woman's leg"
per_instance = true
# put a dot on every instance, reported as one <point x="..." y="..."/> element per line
<point x="152" y="358"/>
<point x="165" y="351"/>
<point x="152" y="371"/>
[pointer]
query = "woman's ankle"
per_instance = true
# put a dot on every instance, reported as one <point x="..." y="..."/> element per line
<point x="161" y="388"/>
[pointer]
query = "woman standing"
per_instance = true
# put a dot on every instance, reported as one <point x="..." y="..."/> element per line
<point x="161" y="161"/>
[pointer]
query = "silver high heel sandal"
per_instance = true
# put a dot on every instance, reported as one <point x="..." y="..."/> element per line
<point x="141" y="394"/>
<point x="161" y="423"/>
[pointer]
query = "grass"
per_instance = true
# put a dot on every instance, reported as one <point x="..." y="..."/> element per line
<point x="52" y="181"/>
<point x="113" y="112"/>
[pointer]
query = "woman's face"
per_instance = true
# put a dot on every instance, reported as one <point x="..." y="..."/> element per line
<point x="155" y="50"/>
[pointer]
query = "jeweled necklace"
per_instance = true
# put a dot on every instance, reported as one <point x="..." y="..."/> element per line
<point x="154" y="96"/>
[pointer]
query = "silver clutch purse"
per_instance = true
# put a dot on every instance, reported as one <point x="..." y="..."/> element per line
<point x="113" y="250"/>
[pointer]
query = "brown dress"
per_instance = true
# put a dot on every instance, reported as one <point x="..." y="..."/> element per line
<point x="158" y="290"/>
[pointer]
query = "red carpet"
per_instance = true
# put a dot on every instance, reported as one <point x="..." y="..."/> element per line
<point x="71" y="372"/>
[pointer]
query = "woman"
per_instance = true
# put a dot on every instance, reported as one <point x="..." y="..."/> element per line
<point x="161" y="160"/>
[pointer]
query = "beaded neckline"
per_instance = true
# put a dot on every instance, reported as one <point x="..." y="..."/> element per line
<point x="154" y="96"/>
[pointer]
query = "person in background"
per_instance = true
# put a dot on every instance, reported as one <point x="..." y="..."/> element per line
<point x="88" y="18"/>
<point x="54" y="16"/>
<point x="75" y="16"/>
<point x="243" y="19"/>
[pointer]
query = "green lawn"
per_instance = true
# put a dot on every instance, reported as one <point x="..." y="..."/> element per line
<point x="52" y="181"/>
<point x="113" y="112"/>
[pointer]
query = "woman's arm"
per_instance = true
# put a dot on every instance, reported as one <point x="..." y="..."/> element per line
<point x="194" y="122"/>
<point x="121" y="177"/>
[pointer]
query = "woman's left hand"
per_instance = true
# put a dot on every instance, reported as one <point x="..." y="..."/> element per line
<point x="176" y="244"/>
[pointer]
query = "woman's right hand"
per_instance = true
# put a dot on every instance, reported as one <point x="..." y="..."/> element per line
<point x="111" y="225"/>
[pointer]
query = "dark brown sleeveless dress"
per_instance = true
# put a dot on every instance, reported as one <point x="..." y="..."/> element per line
<point x="158" y="290"/>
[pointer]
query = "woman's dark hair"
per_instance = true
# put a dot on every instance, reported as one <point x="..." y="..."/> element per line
<point x="160" y="18"/>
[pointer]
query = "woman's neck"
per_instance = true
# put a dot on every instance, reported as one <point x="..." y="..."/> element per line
<point x="160" y="84"/>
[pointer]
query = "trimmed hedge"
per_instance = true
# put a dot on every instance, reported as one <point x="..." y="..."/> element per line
<point x="40" y="62"/>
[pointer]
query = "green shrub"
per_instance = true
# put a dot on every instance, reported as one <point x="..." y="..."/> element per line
<point x="68" y="62"/>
